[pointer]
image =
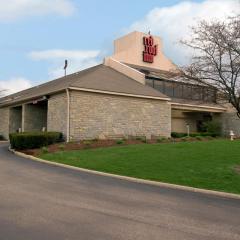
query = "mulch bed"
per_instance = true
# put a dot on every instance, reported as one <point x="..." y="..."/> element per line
<point x="92" y="144"/>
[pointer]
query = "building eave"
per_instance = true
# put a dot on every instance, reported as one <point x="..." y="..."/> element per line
<point x="13" y="103"/>
<point x="191" y="107"/>
<point x="118" y="93"/>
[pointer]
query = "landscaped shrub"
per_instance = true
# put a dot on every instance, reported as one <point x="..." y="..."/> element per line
<point x="162" y="139"/>
<point x="178" y="135"/>
<point x="119" y="141"/>
<point x="1" y="137"/>
<point x="30" y="140"/>
<point x="207" y="134"/>
<point x="195" y="134"/>
<point x="87" y="142"/>
<point x="213" y="128"/>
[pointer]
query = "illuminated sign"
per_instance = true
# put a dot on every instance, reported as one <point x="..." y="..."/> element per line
<point x="150" y="50"/>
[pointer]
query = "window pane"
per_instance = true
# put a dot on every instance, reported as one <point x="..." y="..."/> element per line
<point x="178" y="90"/>
<point x="210" y="95"/>
<point x="169" y="89"/>
<point x="187" y="92"/>
<point x="197" y="93"/>
<point x="159" y="85"/>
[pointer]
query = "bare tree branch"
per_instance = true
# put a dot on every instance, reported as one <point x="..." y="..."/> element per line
<point x="217" y="57"/>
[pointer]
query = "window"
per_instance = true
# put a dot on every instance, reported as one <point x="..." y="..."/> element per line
<point x="196" y="93"/>
<point x="183" y="90"/>
<point x="210" y="95"/>
<point x="178" y="90"/>
<point x="187" y="91"/>
<point x="169" y="89"/>
<point x="160" y="86"/>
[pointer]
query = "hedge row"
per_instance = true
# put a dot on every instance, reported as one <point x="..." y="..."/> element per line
<point x="30" y="140"/>
<point x="203" y="134"/>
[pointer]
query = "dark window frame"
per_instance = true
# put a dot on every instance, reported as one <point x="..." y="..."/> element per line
<point x="207" y="94"/>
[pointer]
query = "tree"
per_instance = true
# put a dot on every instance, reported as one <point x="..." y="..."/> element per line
<point x="216" y="60"/>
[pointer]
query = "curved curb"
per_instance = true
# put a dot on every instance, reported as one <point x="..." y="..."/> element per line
<point x="132" y="179"/>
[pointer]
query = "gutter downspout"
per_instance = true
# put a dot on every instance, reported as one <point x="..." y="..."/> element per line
<point x="68" y="115"/>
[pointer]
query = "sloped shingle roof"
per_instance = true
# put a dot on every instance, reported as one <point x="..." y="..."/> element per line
<point x="99" y="77"/>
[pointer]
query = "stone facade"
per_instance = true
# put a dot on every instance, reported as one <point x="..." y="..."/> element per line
<point x="57" y="113"/>
<point x="230" y="121"/>
<point x="99" y="115"/>
<point x="4" y="122"/>
<point x="15" y="119"/>
<point x="34" y="117"/>
<point x="94" y="115"/>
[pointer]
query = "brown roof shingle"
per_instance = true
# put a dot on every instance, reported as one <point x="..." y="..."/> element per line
<point x="99" y="77"/>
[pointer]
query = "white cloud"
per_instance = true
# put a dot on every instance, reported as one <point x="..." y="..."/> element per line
<point x="60" y="53"/>
<point x="172" y="23"/>
<point x="14" y="9"/>
<point x="77" y="60"/>
<point x="13" y="85"/>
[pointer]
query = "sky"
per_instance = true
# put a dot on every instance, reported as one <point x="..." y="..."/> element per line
<point x="36" y="36"/>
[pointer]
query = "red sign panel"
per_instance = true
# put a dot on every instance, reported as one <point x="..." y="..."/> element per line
<point x="150" y="50"/>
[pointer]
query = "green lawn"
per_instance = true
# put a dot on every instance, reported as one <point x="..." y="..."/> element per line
<point x="209" y="165"/>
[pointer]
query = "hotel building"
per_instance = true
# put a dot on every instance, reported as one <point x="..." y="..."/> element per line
<point x="135" y="92"/>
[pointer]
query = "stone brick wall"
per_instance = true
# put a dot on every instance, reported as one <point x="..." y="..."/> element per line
<point x="34" y="117"/>
<point x="4" y="122"/>
<point x="57" y="113"/>
<point x="229" y="121"/>
<point x="94" y="115"/>
<point x="15" y="119"/>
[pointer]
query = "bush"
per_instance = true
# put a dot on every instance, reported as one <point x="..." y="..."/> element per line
<point x="195" y="134"/>
<point x="178" y="135"/>
<point x="87" y="142"/>
<point x="30" y="140"/>
<point x="120" y="141"/>
<point x="212" y="132"/>
<point x="1" y="137"/>
<point x="162" y="139"/>
<point x="213" y="128"/>
<point x="207" y="134"/>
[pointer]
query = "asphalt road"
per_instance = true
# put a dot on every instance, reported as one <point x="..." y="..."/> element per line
<point x="40" y="201"/>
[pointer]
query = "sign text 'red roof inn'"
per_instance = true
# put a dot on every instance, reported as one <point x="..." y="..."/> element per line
<point x="150" y="50"/>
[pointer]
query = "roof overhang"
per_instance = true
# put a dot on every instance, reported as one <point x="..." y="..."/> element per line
<point x="17" y="102"/>
<point x="118" y="93"/>
<point x="197" y="108"/>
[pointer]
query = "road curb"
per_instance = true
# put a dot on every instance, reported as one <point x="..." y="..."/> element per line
<point x="131" y="179"/>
